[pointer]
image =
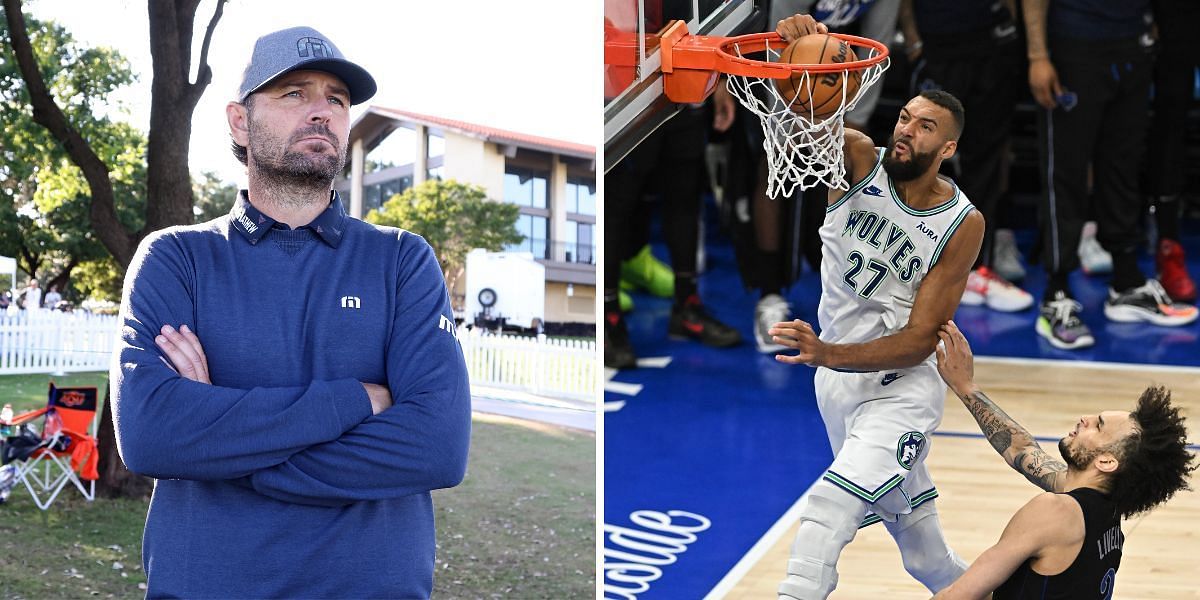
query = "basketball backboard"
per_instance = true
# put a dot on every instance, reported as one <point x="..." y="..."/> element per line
<point x="634" y="104"/>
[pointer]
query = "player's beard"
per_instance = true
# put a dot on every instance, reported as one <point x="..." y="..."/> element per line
<point x="1075" y="457"/>
<point x="285" y="170"/>
<point x="917" y="164"/>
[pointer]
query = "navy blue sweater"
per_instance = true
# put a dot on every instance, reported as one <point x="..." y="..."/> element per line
<point x="276" y="480"/>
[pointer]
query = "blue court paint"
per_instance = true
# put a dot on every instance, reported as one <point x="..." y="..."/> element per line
<point x="735" y="437"/>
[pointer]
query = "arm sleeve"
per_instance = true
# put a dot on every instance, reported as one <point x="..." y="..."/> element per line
<point x="420" y="443"/>
<point x="170" y="427"/>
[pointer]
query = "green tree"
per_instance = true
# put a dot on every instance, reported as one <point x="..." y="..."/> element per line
<point x="454" y="218"/>
<point x="214" y="197"/>
<point x="44" y="198"/>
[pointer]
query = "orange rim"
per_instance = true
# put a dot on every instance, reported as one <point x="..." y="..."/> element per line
<point x="691" y="63"/>
<point x="681" y="50"/>
<point x="730" y="62"/>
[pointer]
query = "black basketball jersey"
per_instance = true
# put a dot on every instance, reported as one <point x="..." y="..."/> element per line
<point x="1092" y="575"/>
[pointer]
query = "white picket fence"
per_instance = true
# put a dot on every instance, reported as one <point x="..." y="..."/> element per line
<point x="556" y="368"/>
<point x="48" y="342"/>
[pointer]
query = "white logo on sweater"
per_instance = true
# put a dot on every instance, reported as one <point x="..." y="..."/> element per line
<point x="447" y="324"/>
<point x="351" y="302"/>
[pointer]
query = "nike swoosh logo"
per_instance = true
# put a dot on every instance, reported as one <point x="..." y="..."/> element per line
<point x="889" y="378"/>
<point x="694" y="327"/>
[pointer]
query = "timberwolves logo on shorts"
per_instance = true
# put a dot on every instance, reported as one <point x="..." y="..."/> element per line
<point x="908" y="449"/>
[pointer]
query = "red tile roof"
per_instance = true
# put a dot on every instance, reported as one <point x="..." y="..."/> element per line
<point x="492" y="134"/>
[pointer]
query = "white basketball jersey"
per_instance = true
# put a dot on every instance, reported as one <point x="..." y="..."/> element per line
<point x="875" y="253"/>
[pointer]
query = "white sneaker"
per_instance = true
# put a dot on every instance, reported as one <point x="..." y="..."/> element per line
<point x="986" y="287"/>
<point x="1007" y="261"/>
<point x="1094" y="259"/>
<point x="771" y="309"/>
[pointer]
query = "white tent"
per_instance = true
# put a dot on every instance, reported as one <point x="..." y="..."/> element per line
<point x="9" y="266"/>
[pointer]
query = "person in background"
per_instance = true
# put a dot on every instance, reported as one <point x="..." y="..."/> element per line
<point x="1166" y="167"/>
<point x="972" y="50"/>
<point x="31" y="296"/>
<point x="1090" y="71"/>
<point x="52" y="298"/>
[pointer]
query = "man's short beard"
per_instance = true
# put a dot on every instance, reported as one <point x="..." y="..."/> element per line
<point x="916" y="166"/>
<point x="291" y="172"/>
<point x="1076" y="459"/>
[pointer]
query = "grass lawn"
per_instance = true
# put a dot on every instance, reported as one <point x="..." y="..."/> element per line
<point x="522" y="524"/>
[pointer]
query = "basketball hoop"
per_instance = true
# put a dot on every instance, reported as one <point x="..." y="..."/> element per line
<point x="804" y="147"/>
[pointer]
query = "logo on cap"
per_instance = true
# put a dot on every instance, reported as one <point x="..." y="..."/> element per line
<point x="314" y="46"/>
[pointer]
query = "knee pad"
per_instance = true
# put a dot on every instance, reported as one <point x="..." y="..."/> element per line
<point x="926" y="554"/>
<point x="829" y="520"/>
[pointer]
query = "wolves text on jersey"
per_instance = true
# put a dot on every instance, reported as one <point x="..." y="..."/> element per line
<point x="870" y="227"/>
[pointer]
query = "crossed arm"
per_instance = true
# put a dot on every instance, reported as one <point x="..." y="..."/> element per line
<point x="324" y="443"/>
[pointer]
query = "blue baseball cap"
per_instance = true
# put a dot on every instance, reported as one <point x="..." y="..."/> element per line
<point x="276" y="54"/>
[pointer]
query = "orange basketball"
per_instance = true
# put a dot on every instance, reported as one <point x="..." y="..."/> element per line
<point x="818" y="95"/>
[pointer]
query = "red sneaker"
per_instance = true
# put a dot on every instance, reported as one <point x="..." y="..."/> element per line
<point x="1172" y="271"/>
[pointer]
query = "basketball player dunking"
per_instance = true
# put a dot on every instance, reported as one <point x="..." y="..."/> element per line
<point x="896" y="251"/>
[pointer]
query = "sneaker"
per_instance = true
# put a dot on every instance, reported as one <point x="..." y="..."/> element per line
<point x="647" y="272"/>
<point x="771" y="309"/>
<point x="618" y="351"/>
<point x="1172" y="271"/>
<point x="625" y="300"/>
<point x="1148" y="302"/>
<point x="1094" y="259"/>
<point x="691" y="321"/>
<point x="1060" y="324"/>
<point x="986" y="287"/>
<point x="1007" y="261"/>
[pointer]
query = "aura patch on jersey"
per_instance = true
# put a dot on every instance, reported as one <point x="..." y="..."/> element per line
<point x="909" y="449"/>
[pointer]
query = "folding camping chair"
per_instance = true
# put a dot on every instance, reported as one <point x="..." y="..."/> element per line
<point x="67" y="451"/>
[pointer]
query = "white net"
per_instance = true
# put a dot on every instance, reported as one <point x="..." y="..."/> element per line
<point x="803" y="139"/>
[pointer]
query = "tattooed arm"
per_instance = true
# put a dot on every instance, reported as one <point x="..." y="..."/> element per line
<point x="1008" y="437"/>
<point x="1014" y="442"/>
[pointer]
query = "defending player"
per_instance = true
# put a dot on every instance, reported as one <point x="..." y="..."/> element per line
<point x="1067" y="543"/>
<point x="896" y="251"/>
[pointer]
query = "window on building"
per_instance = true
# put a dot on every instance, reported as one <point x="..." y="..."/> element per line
<point x="397" y="149"/>
<point x="525" y="187"/>
<point x="581" y="196"/>
<point x="535" y="229"/>
<point x="585" y="248"/>
<point x="376" y="194"/>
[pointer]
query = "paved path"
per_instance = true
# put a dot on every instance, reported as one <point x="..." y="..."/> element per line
<point x="567" y="413"/>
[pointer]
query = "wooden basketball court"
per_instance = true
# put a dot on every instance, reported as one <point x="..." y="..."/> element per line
<point x="979" y="492"/>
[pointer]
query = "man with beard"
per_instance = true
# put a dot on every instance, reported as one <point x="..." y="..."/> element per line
<point x="289" y="374"/>
<point x="897" y="247"/>
<point x="1067" y="543"/>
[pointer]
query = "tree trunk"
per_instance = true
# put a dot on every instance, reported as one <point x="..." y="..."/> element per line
<point x="168" y="180"/>
<point x="116" y="481"/>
